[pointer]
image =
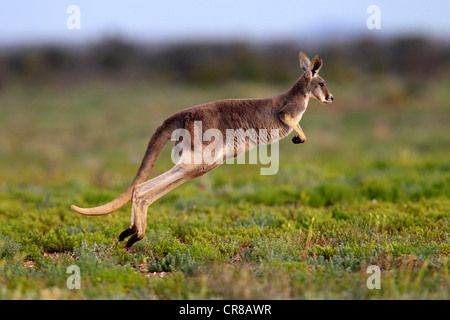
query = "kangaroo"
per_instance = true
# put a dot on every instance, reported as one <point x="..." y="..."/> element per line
<point x="282" y="112"/>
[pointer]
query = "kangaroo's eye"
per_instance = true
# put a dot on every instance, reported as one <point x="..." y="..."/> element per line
<point x="321" y="84"/>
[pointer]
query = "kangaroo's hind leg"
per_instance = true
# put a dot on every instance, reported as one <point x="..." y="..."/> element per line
<point x="153" y="182"/>
<point x="139" y="206"/>
<point x="148" y="192"/>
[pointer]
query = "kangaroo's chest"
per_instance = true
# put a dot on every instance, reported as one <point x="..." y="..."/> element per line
<point x="299" y="116"/>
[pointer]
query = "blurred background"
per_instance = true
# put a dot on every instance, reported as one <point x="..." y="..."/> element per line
<point x="84" y="84"/>
<point x="210" y="43"/>
<point x="79" y="78"/>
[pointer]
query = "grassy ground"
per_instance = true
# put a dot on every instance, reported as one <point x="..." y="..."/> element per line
<point x="370" y="187"/>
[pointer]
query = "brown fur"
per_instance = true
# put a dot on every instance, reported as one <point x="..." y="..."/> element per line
<point x="282" y="112"/>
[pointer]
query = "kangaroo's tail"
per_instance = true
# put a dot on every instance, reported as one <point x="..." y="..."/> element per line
<point x="155" y="146"/>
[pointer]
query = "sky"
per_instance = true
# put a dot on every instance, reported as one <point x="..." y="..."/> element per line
<point x="45" y="21"/>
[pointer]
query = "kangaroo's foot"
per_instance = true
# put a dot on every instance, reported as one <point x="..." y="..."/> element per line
<point x="134" y="235"/>
<point x="127" y="232"/>
<point x="136" y="230"/>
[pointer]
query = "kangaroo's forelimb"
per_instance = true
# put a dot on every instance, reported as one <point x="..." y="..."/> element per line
<point x="291" y="115"/>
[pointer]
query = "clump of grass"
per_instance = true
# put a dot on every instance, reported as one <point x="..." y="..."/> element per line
<point x="99" y="251"/>
<point x="330" y="193"/>
<point x="183" y="262"/>
<point x="343" y="259"/>
<point x="380" y="188"/>
<point x="261" y="219"/>
<point x="9" y="249"/>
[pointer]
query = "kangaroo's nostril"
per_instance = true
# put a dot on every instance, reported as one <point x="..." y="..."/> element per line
<point x="332" y="98"/>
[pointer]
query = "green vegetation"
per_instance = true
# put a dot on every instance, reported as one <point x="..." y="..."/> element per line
<point x="370" y="187"/>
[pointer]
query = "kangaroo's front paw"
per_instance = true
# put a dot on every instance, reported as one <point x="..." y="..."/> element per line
<point x="298" y="140"/>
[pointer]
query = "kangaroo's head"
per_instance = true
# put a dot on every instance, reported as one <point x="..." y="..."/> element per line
<point x="316" y="85"/>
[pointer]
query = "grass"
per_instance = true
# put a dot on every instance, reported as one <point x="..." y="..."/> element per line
<point x="370" y="187"/>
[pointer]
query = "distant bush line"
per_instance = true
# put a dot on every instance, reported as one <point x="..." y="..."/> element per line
<point x="217" y="63"/>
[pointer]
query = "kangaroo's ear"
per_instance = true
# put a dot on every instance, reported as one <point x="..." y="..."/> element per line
<point x="315" y="65"/>
<point x="304" y="61"/>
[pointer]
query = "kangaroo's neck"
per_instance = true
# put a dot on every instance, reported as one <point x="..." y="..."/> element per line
<point x="298" y="94"/>
<point x="300" y="87"/>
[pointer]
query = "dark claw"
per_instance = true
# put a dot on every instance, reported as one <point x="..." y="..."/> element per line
<point x="297" y="140"/>
<point x="134" y="238"/>
<point x="128" y="232"/>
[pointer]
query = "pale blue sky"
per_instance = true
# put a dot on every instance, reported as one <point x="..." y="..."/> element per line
<point x="171" y="20"/>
